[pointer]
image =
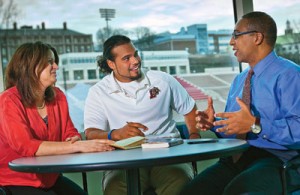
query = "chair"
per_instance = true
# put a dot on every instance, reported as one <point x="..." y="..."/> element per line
<point x="84" y="181"/>
<point x="83" y="174"/>
<point x="290" y="174"/>
<point x="3" y="191"/>
<point x="184" y="133"/>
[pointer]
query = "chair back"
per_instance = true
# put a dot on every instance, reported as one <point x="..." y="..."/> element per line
<point x="291" y="176"/>
<point x="3" y="191"/>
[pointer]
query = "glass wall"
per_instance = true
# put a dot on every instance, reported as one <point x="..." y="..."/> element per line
<point x="287" y="18"/>
<point x="187" y="39"/>
<point x="201" y="29"/>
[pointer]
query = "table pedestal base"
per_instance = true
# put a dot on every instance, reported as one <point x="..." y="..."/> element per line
<point x="133" y="182"/>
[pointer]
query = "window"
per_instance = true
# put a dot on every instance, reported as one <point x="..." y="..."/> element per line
<point x="197" y="50"/>
<point x="3" y="51"/>
<point x="164" y="69"/>
<point x="78" y="75"/>
<point x="68" y="40"/>
<point x="172" y="70"/>
<point x="286" y="16"/>
<point x="92" y="74"/>
<point x="68" y="49"/>
<point x="182" y="70"/>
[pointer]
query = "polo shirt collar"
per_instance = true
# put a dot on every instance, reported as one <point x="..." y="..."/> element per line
<point x="114" y="87"/>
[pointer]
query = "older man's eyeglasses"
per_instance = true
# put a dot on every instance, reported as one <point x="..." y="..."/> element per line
<point x="235" y="34"/>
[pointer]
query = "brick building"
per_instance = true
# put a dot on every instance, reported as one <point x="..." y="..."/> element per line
<point x="63" y="39"/>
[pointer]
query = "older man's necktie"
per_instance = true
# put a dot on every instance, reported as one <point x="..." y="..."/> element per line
<point x="247" y="89"/>
<point x="247" y="100"/>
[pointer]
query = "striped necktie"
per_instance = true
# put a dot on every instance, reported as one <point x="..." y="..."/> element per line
<point x="247" y="100"/>
<point x="247" y="89"/>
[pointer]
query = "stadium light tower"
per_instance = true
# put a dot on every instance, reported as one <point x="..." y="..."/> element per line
<point x="107" y="14"/>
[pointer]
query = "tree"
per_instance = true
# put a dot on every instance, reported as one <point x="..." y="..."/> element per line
<point x="145" y="37"/>
<point x="141" y="32"/>
<point x="142" y="36"/>
<point x="8" y="13"/>
<point x="101" y="34"/>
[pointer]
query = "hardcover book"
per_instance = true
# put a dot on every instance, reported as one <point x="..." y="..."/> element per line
<point x="161" y="142"/>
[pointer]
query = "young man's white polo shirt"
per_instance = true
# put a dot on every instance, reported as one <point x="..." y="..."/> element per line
<point x="107" y="106"/>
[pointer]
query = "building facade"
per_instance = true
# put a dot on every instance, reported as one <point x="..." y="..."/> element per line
<point x="201" y="35"/>
<point x="218" y="41"/>
<point x="196" y="39"/>
<point x="64" y="40"/>
<point x="82" y="67"/>
<point x="288" y="45"/>
<point x="172" y="62"/>
<point x="175" y="42"/>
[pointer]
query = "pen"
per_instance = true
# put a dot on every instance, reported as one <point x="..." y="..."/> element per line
<point x="203" y="141"/>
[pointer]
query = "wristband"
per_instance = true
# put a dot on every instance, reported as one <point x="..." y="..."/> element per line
<point x="109" y="134"/>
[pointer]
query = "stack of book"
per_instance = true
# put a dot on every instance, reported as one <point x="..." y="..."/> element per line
<point x="161" y="142"/>
<point x="153" y="142"/>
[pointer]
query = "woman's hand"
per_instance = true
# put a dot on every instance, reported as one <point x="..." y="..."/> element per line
<point x="95" y="145"/>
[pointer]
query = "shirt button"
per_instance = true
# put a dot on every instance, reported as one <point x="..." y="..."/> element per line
<point x="264" y="136"/>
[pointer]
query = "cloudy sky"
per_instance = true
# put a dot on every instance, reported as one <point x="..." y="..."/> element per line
<point x="158" y="15"/>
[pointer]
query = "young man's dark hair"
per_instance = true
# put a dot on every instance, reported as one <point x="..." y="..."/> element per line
<point x="109" y="44"/>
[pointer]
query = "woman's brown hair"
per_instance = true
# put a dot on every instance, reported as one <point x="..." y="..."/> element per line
<point x="25" y="68"/>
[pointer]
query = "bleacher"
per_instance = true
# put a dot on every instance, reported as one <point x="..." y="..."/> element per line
<point x="193" y="91"/>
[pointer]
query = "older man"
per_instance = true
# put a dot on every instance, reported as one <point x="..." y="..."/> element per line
<point x="262" y="107"/>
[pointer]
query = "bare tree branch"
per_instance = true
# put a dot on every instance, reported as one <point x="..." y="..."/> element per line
<point x="144" y="37"/>
<point x="8" y="13"/>
<point x="101" y="34"/>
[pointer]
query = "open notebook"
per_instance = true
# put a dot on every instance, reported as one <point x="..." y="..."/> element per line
<point x="129" y="143"/>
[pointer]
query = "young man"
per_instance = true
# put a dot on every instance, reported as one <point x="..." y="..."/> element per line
<point x="134" y="102"/>
<point x="270" y="124"/>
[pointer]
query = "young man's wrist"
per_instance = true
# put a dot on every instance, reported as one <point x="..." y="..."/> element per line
<point x="109" y="135"/>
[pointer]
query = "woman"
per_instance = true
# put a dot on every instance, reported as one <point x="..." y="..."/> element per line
<point x="34" y="121"/>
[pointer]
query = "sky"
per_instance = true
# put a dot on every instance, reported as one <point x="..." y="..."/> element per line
<point x="159" y="15"/>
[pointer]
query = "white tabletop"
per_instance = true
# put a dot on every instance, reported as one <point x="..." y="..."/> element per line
<point x="128" y="159"/>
